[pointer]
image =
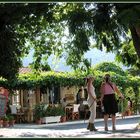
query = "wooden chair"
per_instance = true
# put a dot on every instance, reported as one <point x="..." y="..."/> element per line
<point x="17" y="112"/>
<point x="20" y="115"/>
<point x="68" y="111"/>
<point x="75" y="111"/>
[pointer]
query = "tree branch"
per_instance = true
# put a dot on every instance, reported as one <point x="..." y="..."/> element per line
<point x="136" y="39"/>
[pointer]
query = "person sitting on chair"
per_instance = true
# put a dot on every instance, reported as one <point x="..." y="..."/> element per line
<point x="81" y="109"/>
<point x="64" y="103"/>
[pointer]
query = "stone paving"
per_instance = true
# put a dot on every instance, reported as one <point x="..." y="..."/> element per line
<point x="76" y="129"/>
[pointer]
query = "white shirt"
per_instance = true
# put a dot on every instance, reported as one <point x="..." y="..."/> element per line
<point x="92" y="94"/>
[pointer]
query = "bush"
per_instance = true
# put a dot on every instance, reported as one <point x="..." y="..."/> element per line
<point x="40" y="110"/>
<point x="5" y="118"/>
<point x="11" y="117"/>
<point x="55" y="111"/>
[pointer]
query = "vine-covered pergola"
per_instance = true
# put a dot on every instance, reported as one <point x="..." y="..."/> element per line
<point x="30" y="80"/>
<point x="48" y="79"/>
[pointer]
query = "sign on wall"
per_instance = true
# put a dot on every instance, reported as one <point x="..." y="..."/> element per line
<point x="69" y="98"/>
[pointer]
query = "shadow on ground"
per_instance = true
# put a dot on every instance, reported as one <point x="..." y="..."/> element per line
<point x="125" y="133"/>
<point x="75" y="125"/>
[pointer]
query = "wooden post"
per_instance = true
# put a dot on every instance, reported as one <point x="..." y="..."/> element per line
<point x="21" y="98"/>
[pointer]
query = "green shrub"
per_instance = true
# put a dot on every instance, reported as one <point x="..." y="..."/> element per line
<point x="55" y="111"/>
<point x="40" y="110"/>
<point x="5" y="118"/>
<point x="11" y="117"/>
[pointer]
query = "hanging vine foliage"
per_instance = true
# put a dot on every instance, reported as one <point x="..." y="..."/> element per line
<point x="31" y="81"/>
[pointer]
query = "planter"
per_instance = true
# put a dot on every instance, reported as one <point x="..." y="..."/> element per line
<point x="63" y="119"/>
<point x="39" y="111"/>
<point x="5" y="123"/>
<point x="1" y="123"/>
<point x="11" y="122"/>
<point x="39" y="121"/>
<point x="51" y="119"/>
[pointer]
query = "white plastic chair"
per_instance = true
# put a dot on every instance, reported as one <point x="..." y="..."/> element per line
<point x="13" y="109"/>
<point x="75" y="107"/>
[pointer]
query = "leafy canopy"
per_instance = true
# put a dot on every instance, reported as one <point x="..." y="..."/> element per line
<point x="109" y="25"/>
<point x="110" y="67"/>
<point x="55" y="28"/>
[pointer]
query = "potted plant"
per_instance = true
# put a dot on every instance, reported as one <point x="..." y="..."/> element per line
<point x="11" y="120"/>
<point x="53" y="114"/>
<point x="5" y="121"/>
<point x="39" y="111"/>
<point x="1" y="122"/>
<point x="61" y="111"/>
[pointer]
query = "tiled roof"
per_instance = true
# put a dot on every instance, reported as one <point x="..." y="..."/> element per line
<point x="29" y="70"/>
<point x="25" y="70"/>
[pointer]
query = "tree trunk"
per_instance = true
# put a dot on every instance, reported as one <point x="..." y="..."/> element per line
<point x="135" y="32"/>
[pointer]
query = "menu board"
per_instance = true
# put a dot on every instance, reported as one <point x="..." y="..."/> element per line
<point x="3" y="102"/>
<point x="69" y="98"/>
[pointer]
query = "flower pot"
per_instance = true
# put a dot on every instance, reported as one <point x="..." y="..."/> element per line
<point x="63" y="119"/>
<point x="51" y="119"/>
<point x="38" y="121"/>
<point x="1" y="123"/>
<point x="5" y="123"/>
<point x="11" y="122"/>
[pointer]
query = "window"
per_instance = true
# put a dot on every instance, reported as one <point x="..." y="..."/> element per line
<point x="50" y="95"/>
<point x="16" y="98"/>
<point x="54" y="95"/>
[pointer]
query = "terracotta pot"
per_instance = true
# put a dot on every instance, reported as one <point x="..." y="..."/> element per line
<point x="1" y="123"/>
<point x="63" y="119"/>
<point x="5" y="123"/>
<point x="11" y="123"/>
<point x="38" y="121"/>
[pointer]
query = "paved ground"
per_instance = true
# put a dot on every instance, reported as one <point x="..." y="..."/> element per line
<point x="77" y="129"/>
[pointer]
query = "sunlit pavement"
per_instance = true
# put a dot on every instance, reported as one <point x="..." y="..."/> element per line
<point x="76" y="129"/>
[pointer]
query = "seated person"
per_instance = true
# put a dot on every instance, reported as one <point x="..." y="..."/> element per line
<point x="64" y="103"/>
<point x="81" y="109"/>
<point x="79" y="96"/>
